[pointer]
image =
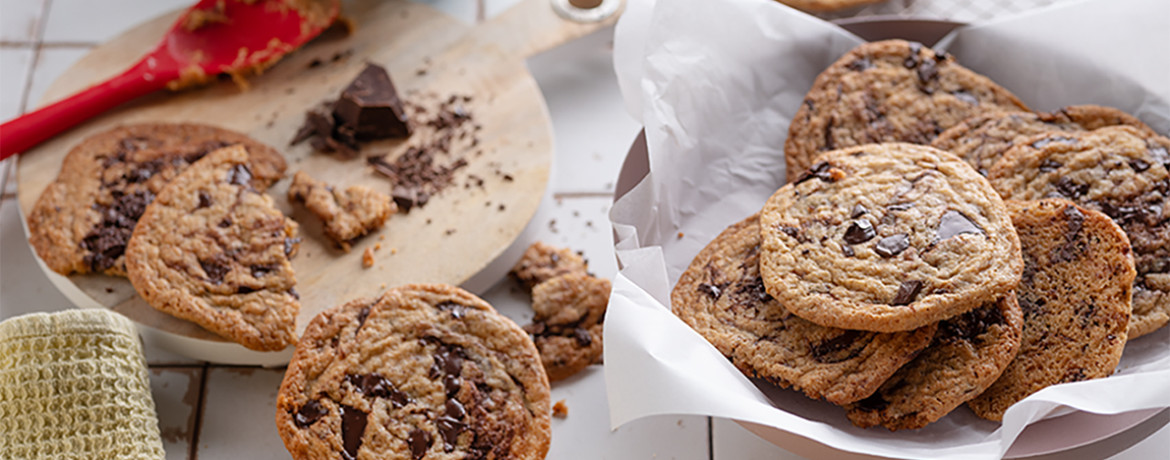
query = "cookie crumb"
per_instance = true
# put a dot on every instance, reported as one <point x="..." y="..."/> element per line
<point x="680" y="235"/>
<point x="368" y="258"/>
<point x="393" y="251"/>
<point x="560" y="409"/>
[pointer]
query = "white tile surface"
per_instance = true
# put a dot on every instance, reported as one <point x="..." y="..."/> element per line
<point x="732" y="441"/>
<point x="23" y="287"/>
<point x="176" y="398"/>
<point x="591" y="128"/>
<point x="15" y="63"/>
<point x="52" y="61"/>
<point x="495" y="7"/>
<point x="20" y="20"/>
<point x="89" y="21"/>
<point x="463" y="10"/>
<point x="239" y="410"/>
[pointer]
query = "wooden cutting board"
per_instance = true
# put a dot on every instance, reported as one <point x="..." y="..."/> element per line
<point x="430" y="57"/>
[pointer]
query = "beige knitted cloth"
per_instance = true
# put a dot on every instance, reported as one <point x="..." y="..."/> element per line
<point x="73" y="385"/>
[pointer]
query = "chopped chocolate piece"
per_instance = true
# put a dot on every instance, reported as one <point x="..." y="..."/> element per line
<point x="859" y="232"/>
<point x="822" y="171"/>
<point x="309" y="413"/>
<point x="970" y="325"/>
<point x="420" y="442"/>
<point x="1039" y="144"/>
<point x="712" y="291"/>
<point x="370" y="105"/>
<point x="955" y="223"/>
<point x="907" y="292"/>
<point x="891" y="246"/>
<point x="353" y="426"/>
<point x="858" y="211"/>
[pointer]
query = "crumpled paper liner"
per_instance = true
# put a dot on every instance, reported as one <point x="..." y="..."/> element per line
<point x="715" y="83"/>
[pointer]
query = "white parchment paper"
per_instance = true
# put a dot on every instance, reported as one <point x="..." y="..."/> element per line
<point x="715" y="83"/>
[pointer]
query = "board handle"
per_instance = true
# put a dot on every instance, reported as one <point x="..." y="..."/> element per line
<point x="533" y="26"/>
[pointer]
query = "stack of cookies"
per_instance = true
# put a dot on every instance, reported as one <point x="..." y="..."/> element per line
<point x="894" y="279"/>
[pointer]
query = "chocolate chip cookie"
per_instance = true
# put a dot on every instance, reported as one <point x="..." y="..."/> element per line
<point x="1075" y="295"/>
<point x="982" y="139"/>
<point x="1120" y="171"/>
<point x="886" y="238"/>
<point x="423" y="371"/>
<point x="888" y="91"/>
<point x="567" y="325"/>
<point x="81" y="222"/>
<point x="721" y="296"/>
<point x="542" y="262"/>
<point x="968" y="353"/>
<point x="347" y="214"/>
<point x="213" y="250"/>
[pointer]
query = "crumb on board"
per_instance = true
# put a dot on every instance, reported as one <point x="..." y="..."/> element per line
<point x="560" y="409"/>
<point x="368" y="258"/>
<point x="393" y="251"/>
<point x="378" y="246"/>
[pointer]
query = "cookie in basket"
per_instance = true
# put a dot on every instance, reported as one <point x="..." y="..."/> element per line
<point x="886" y="238"/>
<point x="721" y="296"/>
<point x="888" y="91"/>
<point x="83" y="219"/>
<point x="214" y="250"/>
<point x="423" y="371"/>
<point x="1075" y="295"/>
<point x="968" y="354"/>
<point x="1120" y="171"/>
<point x="982" y="140"/>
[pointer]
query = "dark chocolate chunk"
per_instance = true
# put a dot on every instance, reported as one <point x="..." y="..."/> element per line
<point x="1049" y="165"/>
<point x="290" y="245"/>
<point x="840" y="348"/>
<point x="246" y="289"/>
<point x="1041" y="143"/>
<point x="1158" y="153"/>
<point x="353" y="426"/>
<point x="955" y="223"/>
<point x="262" y="270"/>
<point x="927" y="71"/>
<point x="370" y="105"/>
<point x="753" y="291"/>
<point x="240" y="175"/>
<point x="820" y="171"/>
<point x="420" y="442"/>
<point x="965" y="97"/>
<point x="215" y="268"/>
<point x="848" y="251"/>
<point x="1138" y="164"/>
<point x="1075" y="374"/>
<point x="970" y="325"/>
<point x="1070" y="188"/>
<point x="106" y="242"/>
<point x="454" y="409"/>
<point x="912" y="59"/>
<point x="455" y="309"/>
<point x="859" y="65"/>
<point x="891" y="246"/>
<point x="309" y="413"/>
<point x="450" y="429"/>
<point x="859" y="232"/>
<point x="376" y="386"/>
<point x="899" y="207"/>
<point x="858" y="211"/>
<point x="204" y="199"/>
<point x="583" y="337"/>
<point x="907" y="292"/>
<point x="712" y="291"/>
<point x="790" y="231"/>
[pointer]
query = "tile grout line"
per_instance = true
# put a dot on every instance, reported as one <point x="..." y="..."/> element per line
<point x="36" y="47"/>
<point x="710" y="439"/>
<point x="193" y="450"/>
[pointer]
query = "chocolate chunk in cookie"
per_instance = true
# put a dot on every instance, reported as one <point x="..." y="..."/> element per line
<point x="902" y="236"/>
<point x="722" y="297"/>
<point x="888" y="91"/>
<point x="968" y="353"/>
<point x="82" y="221"/>
<point x="423" y="371"/>
<point x="567" y="326"/>
<point x="213" y="250"/>
<point x="347" y="214"/>
<point x="1120" y="171"/>
<point x="1075" y="296"/>
<point x="542" y="262"/>
<point x="982" y="140"/>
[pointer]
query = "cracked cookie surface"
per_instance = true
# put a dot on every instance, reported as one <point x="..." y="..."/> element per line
<point x="542" y="262"/>
<point x="347" y="214"/>
<point x="1075" y="296"/>
<point x="1120" y="171"/>
<point x="983" y="139"/>
<point x="968" y="353"/>
<point x="213" y="250"/>
<point x="721" y="296"/>
<point x="568" y="322"/>
<point x="888" y="91"/>
<point x="83" y="219"/>
<point x="887" y="237"/>
<point x="421" y="372"/>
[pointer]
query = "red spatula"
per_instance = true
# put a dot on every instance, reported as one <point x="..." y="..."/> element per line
<point x="236" y="37"/>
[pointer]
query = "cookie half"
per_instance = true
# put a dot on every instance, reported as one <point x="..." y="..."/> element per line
<point x="886" y="238"/>
<point x="721" y="296"/>
<point x="888" y="91"/>
<point x="83" y="219"/>
<point x="983" y="139"/>
<point x="214" y="250"/>
<point x="968" y="354"/>
<point x="1120" y="171"/>
<point x="423" y="371"/>
<point x="1075" y="295"/>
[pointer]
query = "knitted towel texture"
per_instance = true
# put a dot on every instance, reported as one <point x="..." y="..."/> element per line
<point x="73" y="385"/>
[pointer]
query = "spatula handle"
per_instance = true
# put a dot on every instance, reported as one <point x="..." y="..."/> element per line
<point x="30" y="129"/>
